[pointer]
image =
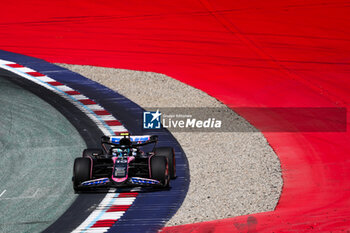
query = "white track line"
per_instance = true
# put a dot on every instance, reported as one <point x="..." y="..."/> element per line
<point x="3" y="192"/>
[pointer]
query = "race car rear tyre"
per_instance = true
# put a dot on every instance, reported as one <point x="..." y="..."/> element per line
<point x="160" y="170"/>
<point x="169" y="153"/>
<point x="81" y="171"/>
<point x="92" y="152"/>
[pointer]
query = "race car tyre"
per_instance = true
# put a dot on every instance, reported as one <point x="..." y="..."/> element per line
<point x="92" y="152"/>
<point x="81" y="171"/>
<point x="160" y="170"/>
<point x="169" y="153"/>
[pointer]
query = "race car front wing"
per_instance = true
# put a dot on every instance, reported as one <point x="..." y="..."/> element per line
<point x="106" y="182"/>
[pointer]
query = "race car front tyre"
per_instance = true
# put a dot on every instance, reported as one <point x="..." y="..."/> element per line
<point x="92" y="152"/>
<point x="169" y="153"/>
<point x="81" y="171"/>
<point x="160" y="170"/>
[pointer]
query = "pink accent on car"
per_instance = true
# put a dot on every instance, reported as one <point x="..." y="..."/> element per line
<point x="119" y="180"/>
<point x="131" y="158"/>
<point x="149" y="166"/>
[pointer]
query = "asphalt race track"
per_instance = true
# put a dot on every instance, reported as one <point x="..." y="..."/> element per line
<point x="37" y="176"/>
<point x="37" y="146"/>
<point x="244" y="53"/>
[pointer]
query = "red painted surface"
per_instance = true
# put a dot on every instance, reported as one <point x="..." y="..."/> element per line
<point x="113" y="123"/>
<point x="115" y="208"/>
<point x="15" y="65"/>
<point x="35" y="74"/>
<point x="104" y="223"/>
<point x="101" y="112"/>
<point x="53" y="83"/>
<point x="74" y="93"/>
<point x="87" y="101"/>
<point x="245" y="53"/>
<point x="127" y="195"/>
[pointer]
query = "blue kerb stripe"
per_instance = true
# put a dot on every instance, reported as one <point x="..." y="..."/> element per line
<point x="75" y="100"/>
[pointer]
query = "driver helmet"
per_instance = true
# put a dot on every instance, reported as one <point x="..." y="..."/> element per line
<point x="125" y="143"/>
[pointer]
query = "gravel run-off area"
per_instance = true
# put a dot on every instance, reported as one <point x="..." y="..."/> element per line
<point x="231" y="173"/>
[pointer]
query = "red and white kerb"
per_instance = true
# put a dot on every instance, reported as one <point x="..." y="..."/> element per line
<point x="107" y="213"/>
<point x="114" y="205"/>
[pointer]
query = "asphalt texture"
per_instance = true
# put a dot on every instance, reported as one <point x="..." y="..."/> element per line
<point x="37" y="154"/>
<point x="231" y="174"/>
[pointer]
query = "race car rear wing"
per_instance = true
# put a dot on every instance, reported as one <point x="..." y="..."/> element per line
<point x="138" y="140"/>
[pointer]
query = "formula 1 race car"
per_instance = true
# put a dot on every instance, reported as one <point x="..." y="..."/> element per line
<point x="125" y="161"/>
